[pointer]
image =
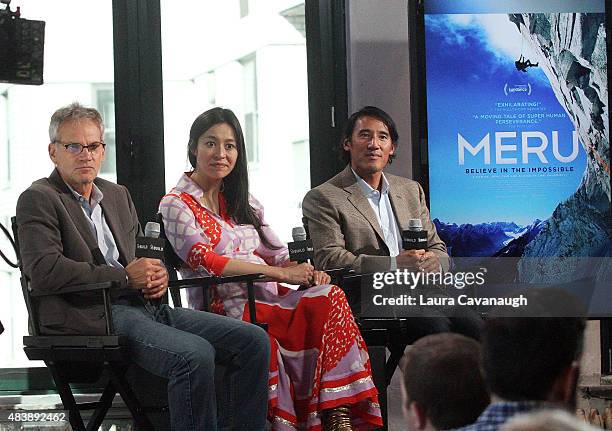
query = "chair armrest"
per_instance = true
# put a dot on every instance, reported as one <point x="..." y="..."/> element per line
<point x="205" y="282"/>
<point x="76" y="288"/>
<point x="104" y="287"/>
<point x="339" y="273"/>
<point x="355" y="276"/>
<point x="213" y="280"/>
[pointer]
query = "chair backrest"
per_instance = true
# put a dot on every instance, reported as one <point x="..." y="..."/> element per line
<point x="305" y="224"/>
<point x="173" y="263"/>
<point x="171" y="259"/>
<point x="16" y="239"/>
<point x="337" y="275"/>
<point x="33" y="323"/>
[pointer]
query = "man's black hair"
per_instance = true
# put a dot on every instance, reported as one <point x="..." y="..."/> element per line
<point x="523" y="354"/>
<point x="367" y="111"/>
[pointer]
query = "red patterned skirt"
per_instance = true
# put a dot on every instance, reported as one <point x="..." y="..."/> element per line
<point x="319" y="359"/>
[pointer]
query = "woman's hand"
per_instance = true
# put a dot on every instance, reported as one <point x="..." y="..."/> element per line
<point x="301" y="274"/>
<point x="320" y="277"/>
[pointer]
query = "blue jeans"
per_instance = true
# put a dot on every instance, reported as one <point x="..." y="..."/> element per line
<point x="183" y="345"/>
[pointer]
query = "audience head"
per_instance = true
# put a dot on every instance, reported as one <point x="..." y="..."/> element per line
<point x="443" y="385"/>
<point x="535" y="358"/>
<point x="547" y="420"/>
<point x="76" y="147"/>
<point x="356" y="133"/>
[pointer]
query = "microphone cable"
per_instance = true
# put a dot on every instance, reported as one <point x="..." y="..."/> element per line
<point x="12" y="241"/>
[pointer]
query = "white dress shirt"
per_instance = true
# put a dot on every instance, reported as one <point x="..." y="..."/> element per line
<point x="381" y="205"/>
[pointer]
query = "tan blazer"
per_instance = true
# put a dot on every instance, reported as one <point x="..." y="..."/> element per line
<point x="344" y="229"/>
<point x="58" y="249"/>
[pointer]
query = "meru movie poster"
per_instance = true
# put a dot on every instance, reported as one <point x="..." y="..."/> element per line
<point x="518" y="127"/>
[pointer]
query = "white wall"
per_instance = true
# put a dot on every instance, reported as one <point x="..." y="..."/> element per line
<point x="378" y="66"/>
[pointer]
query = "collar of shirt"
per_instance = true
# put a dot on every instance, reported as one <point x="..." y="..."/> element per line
<point x="187" y="185"/>
<point x="99" y="227"/>
<point x="367" y="189"/>
<point x="94" y="200"/>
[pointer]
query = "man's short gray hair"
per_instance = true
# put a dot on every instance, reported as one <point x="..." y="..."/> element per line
<point x="74" y="111"/>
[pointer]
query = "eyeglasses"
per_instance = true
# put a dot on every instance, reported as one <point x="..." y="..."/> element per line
<point x="75" y="148"/>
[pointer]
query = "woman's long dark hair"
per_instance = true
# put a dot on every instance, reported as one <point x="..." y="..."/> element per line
<point x="236" y="184"/>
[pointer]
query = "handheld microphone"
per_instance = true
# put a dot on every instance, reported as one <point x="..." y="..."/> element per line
<point x="152" y="230"/>
<point x="415" y="238"/>
<point x="301" y="249"/>
<point x="151" y="245"/>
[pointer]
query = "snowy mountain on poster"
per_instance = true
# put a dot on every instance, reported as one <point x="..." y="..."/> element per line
<point x="487" y="239"/>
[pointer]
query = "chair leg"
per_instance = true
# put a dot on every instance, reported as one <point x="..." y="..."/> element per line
<point x="65" y="393"/>
<point x="116" y="373"/>
<point x="106" y="401"/>
<point x="377" y="361"/>
<point x="397" y="351"/>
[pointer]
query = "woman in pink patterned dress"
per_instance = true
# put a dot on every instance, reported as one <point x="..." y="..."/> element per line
<point x="320" y="369"/>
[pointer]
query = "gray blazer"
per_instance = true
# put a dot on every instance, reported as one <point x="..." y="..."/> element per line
<point x="57" y="249"/>
<point x="344" y="229"/>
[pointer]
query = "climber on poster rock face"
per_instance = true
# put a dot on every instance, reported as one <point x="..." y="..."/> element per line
<point x="523" y="63"/>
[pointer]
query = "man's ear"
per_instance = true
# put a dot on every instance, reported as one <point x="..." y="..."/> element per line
<point x="392" y="149"/>
<point x="572" y="385"/>
<point x="52" y="148"/>
<point x="564" y="387"/>
<point x="417" y="415"/>
<point x="346" y="145"/>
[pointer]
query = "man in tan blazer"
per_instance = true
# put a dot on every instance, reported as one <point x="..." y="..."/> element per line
<point x="346" y="233"/>
<point x="356" y="218"/>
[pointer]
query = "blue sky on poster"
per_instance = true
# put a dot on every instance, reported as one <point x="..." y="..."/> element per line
<point x="497" y="34"/>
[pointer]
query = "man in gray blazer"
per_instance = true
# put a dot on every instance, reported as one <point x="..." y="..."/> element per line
<point x="76" y="228"/>
<point x="356" y="218"/>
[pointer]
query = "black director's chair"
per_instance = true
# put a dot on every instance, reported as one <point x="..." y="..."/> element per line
<point x="104" y="358"/>
<point x="81" y="358"/>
